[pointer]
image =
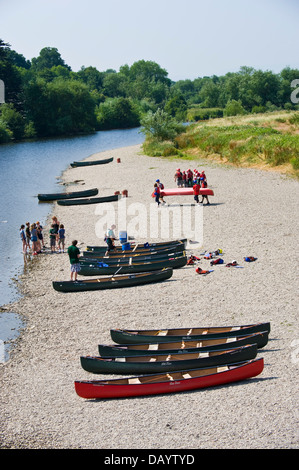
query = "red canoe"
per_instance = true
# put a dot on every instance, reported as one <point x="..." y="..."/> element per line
<point x="172" y="382"/>
<point x="185" y="192"/>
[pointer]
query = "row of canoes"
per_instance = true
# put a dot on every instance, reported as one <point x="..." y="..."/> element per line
<point x="79" y="197"/>
<point x="127" y="269"/>
<point x="185" y="359"/>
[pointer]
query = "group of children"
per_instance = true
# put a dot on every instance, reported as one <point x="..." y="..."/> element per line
<point x="33" y="240"/>
<point x="188" y="178"/>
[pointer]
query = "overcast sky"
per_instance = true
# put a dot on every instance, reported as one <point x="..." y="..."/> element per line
<point x="190" y="39"/>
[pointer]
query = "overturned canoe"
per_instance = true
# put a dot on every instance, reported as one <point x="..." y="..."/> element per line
<point x="94" y="200"/>
<point x="99" y="268"/>
<point x="124" y="350"/>
<point x="92" y="162"/>
<point x="166" y="363"/>
<point x="186" y="192"/>
<point x="178" y="334"/>
<point x="138" y="252"/>
<point x="169" y="383"/>
<point x="68" y="195"/>
<point x="140" y="246"/>
<point x="137" y="258"/>
<point x="113" y="282"/>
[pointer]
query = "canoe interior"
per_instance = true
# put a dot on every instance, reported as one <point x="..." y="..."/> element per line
<point x="193" y="331"/>
<point x="177" y="357"/>
<point x="140" y="246"/>
<point x="117" y="350"/>
<point x="173" y="376"/>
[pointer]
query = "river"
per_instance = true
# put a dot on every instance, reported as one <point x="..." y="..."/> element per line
<point x="26" y="169"/>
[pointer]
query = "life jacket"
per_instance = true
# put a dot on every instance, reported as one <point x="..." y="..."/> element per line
<point x="217" y="261"/>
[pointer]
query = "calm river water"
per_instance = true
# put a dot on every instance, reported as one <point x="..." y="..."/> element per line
<point x="26" y="169"/>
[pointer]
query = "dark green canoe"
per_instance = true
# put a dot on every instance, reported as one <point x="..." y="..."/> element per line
<point x="139" y="246"/>
<point x="90" y="163"/>
<point x="128" y="254"/>
<point x="178" y="334"/>
<point x="124" y="350"/>
<point x="113" y="282"/>
<point x="129" y="259"/>
<point x="94" y="200"/>
<point x="68" y="195"/>
<point x="166" y="362"/>
<point x="99" y="268"/>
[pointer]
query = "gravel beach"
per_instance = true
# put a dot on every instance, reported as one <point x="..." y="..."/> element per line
<point x="253" y="213"/>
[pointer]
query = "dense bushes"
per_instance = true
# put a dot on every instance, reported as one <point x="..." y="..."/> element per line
<point x="46" y="98"/>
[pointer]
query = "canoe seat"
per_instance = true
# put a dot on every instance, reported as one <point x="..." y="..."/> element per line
<point x="187" y="376"/>
<point x="222" y="369"/>
<point x="134" y="380"/>
<point x="169" y="376"/>
<point x="162" y="333"/>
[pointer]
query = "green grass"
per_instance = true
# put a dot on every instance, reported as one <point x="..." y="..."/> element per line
<point x="269" y="140"/>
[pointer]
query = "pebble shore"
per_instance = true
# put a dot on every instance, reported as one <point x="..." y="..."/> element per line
<point x="253" y="213"/>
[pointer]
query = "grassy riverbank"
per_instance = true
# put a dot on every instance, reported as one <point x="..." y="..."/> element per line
<point x="266" y="141"/>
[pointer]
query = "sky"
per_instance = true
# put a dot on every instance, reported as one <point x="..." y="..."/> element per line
<point x="189" y="39"/>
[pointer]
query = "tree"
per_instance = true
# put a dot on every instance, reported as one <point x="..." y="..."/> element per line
<point x="117" y="113"/>
<point x="160" y="126"/>
<point x="233" y="108"/>
<point x="60" y="107"/>
<point x="12" y="120"/>
<point x="48" y="58"/>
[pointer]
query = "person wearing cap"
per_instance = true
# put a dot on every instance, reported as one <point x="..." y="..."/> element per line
<point x="110" y="238"/>
<point x="203" y="184"/>
<point x="178" y="177"/>
<point x="161" y="187"/>
<point x="157" y="193"/>
<point x="196" y="191"/>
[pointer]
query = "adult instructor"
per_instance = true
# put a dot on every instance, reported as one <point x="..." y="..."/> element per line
<point x="74" y="253"/>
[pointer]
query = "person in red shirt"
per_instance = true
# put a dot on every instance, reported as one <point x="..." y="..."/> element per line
<point x="196" y="191"/>
<point x="178" y="177"/>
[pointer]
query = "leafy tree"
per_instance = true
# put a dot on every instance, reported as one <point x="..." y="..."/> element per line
<point x="60" y="107"/>
<point x="10" y="76"/>
<point x="160" y="126"/>
<point x="48" y="58"/>
<point x="12" y="120"/>
<point x="117" y="113"/>
<point x="234" y="108"/>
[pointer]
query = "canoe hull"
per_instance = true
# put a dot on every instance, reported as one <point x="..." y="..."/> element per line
<point x="186" y="192"/>
<point x="113" y="260"/>
<point x="159" y="384"/>
<point x="141" y="252"/>
<point x="157" y="364"/>
<point x="95" y="269"/>
<point x="94" y="200"/>
<point x="68" y="195"/>
<point x="113" y="283"/>
<point x="139" y="246"/>
<point x="91" y="163"/>
<point x="113" y="350"/>
<point x="178" y="334"/>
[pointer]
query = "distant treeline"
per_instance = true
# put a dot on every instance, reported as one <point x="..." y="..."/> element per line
<point x="45" y="98"/>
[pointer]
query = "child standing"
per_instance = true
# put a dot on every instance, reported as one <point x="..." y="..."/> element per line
<point x="28" y="234"/>
<point x="52" y="235"/>
<point x="23" y="238"/>
<point x="61" y="238"/>
<point x="34" y="239"/>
